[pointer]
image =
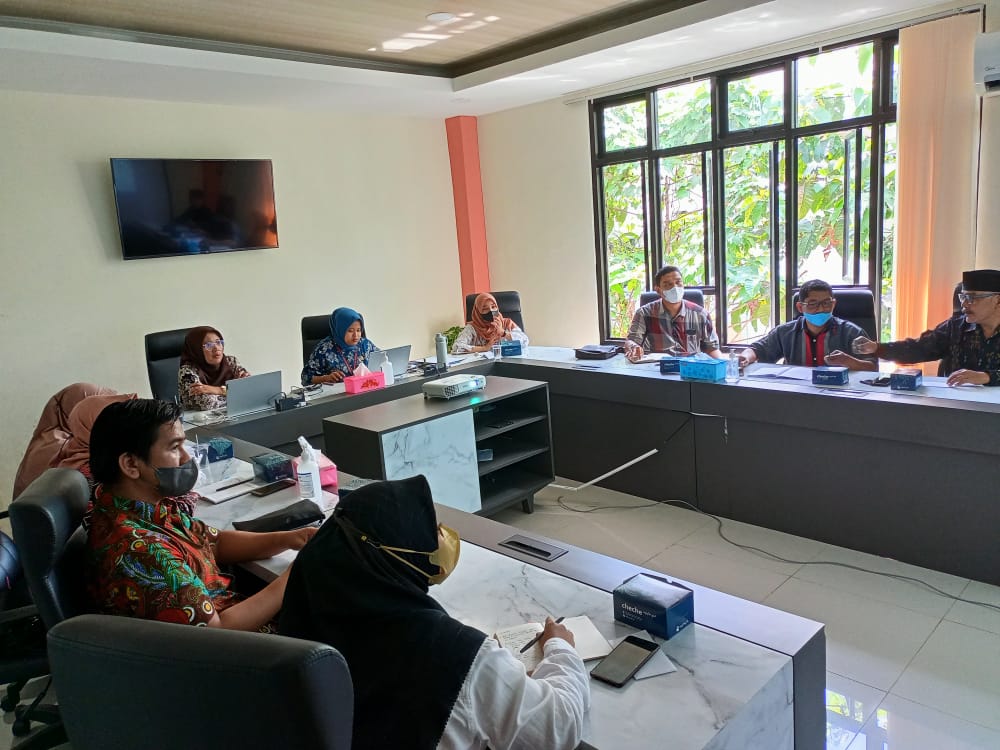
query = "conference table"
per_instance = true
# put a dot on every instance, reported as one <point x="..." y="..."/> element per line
<point x="905" y="475"/>
<point x="747" y="677"/>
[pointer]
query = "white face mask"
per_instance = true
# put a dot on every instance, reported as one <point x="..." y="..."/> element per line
<point x="674" y="294"/>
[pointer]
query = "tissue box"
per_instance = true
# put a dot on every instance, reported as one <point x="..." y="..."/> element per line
<point x="370" y="382"/>
<point x="510" y="348"/>
<point x="694" y="368"/>
<point x="327" y="470"/>
<point x="906" y="379"/>
<point x="219" y="449"/>
<point x="669" y="365"/>
<point x="271" y="467"/>
<point x="825" y="375"/>
<point x="655" y="604"/>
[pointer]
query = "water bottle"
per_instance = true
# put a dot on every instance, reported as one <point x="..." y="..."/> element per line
<point x="441" y="349"/>
<point x="733" y="368"/>
<point x="386" y="368"/>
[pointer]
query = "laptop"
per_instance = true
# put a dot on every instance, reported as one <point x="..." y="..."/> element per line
<point x="399" y="356"/>
<point x="252" y="394"/>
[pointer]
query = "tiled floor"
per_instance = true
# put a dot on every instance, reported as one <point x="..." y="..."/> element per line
<point x="908" y="669"/>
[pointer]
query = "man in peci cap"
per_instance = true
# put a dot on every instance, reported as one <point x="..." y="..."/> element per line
<point x="970" y="341"/>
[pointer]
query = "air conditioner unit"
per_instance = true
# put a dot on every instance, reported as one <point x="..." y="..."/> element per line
<point x="987" y="64"/>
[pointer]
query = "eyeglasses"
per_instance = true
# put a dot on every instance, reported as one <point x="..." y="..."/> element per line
<point x="209" y="345"/>
<point x="813" y="305"/>
<point x="971" y="297"/>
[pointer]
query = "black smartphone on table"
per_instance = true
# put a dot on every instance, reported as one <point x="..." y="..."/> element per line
<point x="624" y="661"/>
<point x="271" y="488"/>
<point x="882" y="380"/>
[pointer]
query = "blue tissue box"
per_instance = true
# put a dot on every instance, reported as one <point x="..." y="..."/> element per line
<point x="711" y="370"/>
<point x="657" y="605"/>
<point x="906" y="379"/>
<point x="510" y="348"/>
<point x="271" y="467"/>
<point x="219" y="449"/>
<point x="825" y="375"/>
<point x="669" y="365"/>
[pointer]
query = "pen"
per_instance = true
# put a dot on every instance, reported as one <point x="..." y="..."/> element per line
<point x="537" y="638"/>
<point x="234" y="484"/>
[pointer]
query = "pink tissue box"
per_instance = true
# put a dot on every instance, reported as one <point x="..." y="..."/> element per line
<point x="358" y="383"/>
<point x="327" y="470"/>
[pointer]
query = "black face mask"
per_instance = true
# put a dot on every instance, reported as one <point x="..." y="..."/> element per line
<point x="177" y="480"/>
<point x="489" y="315"/>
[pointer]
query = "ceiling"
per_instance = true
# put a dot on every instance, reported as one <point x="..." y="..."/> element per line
<point x="316" y="54"/>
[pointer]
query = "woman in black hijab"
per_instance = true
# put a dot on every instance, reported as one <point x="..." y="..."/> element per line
<point x="421" y="678"/>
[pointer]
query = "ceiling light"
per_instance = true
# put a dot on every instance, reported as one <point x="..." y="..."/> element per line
<point x="466" y="15"/>
<point x="373" y="49"/>
<point x="427" y="28"/>
<point x="491" y="19"/>
<point x="473" y="25"/>
<point x="416" y="35"/>
<point x="402" y="45"/>
<point x="440" y="17"/>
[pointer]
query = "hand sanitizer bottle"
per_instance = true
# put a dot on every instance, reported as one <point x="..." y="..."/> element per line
<point x="386" y="368"/>
<point x="310" y="486"/>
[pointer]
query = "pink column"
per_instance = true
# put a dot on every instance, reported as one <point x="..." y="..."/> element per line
<point x="470" y="216"/>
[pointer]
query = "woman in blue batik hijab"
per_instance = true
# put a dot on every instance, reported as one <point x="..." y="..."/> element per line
<point x="339" y="354"/>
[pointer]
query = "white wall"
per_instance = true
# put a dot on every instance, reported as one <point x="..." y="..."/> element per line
<point x="540" y="217"/>
<point x="365" y="219"/>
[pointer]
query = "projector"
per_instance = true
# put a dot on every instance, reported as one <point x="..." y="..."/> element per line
<point x="454" y="385"/>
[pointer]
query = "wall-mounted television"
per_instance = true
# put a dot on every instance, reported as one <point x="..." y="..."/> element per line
<point x="193" y="206"/>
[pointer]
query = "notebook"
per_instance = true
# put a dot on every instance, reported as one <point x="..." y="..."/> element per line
<point x="590" y="644"/>
<point x="252" y="394"/>
<point x="399" y="356"/>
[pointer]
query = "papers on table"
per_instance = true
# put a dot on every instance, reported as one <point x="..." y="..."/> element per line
<point x="233" y="479"/>
<point x="590" y="644"/>
<point x="779" y="372"/>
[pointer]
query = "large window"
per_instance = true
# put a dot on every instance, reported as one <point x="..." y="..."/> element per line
<point x="752" y="181"/>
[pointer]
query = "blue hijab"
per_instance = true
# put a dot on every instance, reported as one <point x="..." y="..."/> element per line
<point x="340" y="320"/>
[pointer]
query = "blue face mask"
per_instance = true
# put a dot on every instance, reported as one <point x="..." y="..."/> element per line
<point x="818" y="319"/>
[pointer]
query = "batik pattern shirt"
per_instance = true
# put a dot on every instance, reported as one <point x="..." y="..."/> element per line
<point x="688" y="332"/>
<point x="964" y="345"/>
<point x="187" y="376"/>
<point x="329" y="356"/>
<point x="153" y="561"/>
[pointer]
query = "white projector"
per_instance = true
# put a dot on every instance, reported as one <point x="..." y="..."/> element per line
<point x="454" y="385"/>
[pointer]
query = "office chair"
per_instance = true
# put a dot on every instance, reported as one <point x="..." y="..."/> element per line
<point x="691" y="295"/>
<point x="22" y="648"/>
<point x="255" y="690"/>
<point x="509" y="304"/>
<point x="315" y="328"/>
<point x="855" y="305"/>
<point x="163" y="360"/>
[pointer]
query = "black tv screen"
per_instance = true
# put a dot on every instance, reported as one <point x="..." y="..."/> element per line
<point x="193" y="206"/>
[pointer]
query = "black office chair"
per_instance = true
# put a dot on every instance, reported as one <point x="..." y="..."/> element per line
<point x="46" y="519"/>
<point x="855" y="305"/>
<point x="278" y="691"/>
<point x="691" y="295"/>
<point x="315" y="328"/>
<point x="22" y="648"/>
<point x="509" y="304"/>
<point x="163" y="360"/>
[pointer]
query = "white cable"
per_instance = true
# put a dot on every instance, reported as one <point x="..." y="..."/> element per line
<point x="624" y="466"/>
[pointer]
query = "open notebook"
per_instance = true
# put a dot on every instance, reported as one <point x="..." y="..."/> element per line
<point x="590" y="644"/>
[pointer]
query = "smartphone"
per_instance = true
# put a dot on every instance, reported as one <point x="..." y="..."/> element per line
<point x="268" y="489"/>
<point x="624" y="661"/>
<point x="881" y="380"/>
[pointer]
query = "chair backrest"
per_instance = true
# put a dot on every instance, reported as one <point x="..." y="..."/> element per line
<point x="46" y="519"/>
<point x="691" y="295"/>
<point x="855" y="305"/>
<point x="508" y="302"/>
<point x="315" y="328"/>
<point x="301" y="689"/>
<point x="163" y="360"/>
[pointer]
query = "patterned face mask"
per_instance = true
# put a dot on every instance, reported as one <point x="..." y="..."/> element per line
<point x="445" y="556"/>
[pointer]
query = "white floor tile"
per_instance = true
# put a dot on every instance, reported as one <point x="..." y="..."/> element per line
<point x="900" y="724"/>
<point x="956" y="671"/>
<point x="849" y="705"/>
<point x="890" y="590"/>
<point x="974" y="615"/>
<point x="866" y="640"/>
<point x="707" y="539"/>
<point x="719" y="573"/>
